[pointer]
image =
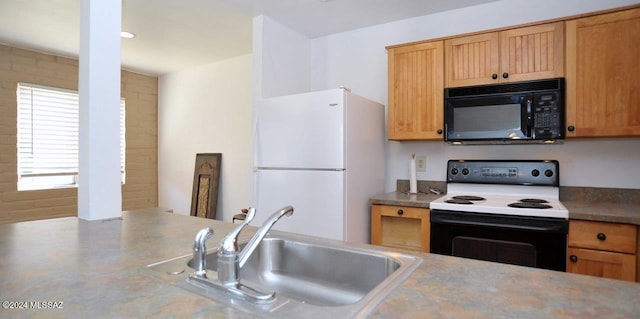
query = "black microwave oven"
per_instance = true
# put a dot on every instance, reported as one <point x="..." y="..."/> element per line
<point x="519" y="112"/>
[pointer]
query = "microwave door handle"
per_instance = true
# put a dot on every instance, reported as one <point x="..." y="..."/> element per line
<point x="529" y="118"/>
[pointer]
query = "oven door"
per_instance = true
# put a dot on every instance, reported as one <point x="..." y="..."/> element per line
<point x="527" y="241"/>
<point x="498" y="117"/>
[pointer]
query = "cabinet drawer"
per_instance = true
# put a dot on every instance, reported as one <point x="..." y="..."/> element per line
<point x="404" y="212"/>
<point x="603" y="236"/>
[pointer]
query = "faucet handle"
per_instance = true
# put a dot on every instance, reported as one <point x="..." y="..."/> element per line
<point x="200" y="251"/>
<point x="251" y="213"/>
<point x="229" y="244"/>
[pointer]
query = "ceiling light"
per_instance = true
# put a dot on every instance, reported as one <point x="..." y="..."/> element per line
<point x="127" y="35"/>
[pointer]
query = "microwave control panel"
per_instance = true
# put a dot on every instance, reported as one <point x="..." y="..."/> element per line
<point x="548" y="120"/>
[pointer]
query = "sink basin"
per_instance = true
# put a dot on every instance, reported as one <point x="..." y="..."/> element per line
<point x="311" y="276"/>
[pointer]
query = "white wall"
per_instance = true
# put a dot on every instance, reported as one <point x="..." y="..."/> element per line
<point x="358" y="59"/>
<point x="206" y="109"/>
<point x="280" y="58"/>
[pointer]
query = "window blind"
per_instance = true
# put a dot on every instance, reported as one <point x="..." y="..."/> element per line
<point x="47" y="139"/>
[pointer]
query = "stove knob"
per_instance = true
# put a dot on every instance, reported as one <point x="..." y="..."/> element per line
<point x="535" y="173"/>
<point x="465" y="171"/>
<point x="454" y="171"/>
<point x="548" y="173"/>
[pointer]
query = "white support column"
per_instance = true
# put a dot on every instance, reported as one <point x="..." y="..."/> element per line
<point x="99" y="189"/>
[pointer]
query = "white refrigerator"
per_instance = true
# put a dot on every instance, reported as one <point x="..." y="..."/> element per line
<point x="322" y="153"/>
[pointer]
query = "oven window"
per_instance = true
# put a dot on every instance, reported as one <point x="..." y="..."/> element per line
<point x="504" y="117"/>
<point x="507" y="252"/>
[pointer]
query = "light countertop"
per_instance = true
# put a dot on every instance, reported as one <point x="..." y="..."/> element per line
<point x="97" y="269"/>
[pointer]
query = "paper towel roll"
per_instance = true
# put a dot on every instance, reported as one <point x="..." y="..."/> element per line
<point x="413" y="180"/>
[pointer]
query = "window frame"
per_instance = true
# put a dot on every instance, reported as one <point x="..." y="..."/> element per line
<point x="33" y="175"/>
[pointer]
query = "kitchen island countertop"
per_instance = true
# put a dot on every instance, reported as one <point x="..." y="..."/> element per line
<point x="97" y="269"/>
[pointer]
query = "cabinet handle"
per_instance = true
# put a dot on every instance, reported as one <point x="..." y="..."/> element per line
<point x="439" y="131"/>
<point x="571" y="128"/>
<point x="494" y="76"/>
<point x="573" y="258"/>
<point x="601" y="236"/>
<point x="505" y="75"/>
<point x="400" y="211"/>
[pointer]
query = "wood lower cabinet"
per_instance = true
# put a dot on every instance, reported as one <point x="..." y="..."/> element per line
<point x="603" y="249"/>
<point x="603" y="75"/>
<point x="520" y="54"/>
<point x="416" y="83"/>
<point x="400" y="227"/>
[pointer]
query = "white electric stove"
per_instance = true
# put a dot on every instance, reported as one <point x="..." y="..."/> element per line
<point x="522" y="188"/>
<point x="502" y="211"/>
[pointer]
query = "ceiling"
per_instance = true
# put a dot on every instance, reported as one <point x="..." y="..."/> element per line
<point x="177" y="34"/>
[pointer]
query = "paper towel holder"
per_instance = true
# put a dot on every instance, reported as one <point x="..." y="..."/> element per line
<point x="413" y="181"/>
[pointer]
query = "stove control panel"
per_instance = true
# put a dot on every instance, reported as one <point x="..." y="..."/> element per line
<point x="517" y="172"/>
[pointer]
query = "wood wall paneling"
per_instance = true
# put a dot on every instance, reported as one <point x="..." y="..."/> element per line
<point x="141" y="97"/>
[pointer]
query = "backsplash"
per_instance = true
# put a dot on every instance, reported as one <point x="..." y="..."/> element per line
<point x="402" y="186"/>
<point x="567" y="193"/>
<point x="596" y="195"/>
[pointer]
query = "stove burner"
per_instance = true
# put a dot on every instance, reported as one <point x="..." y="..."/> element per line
<point x="468" y="197"/>
<point x="529" y="205"/>
<point x="533" y="200"/>
<point x="458" y="201"/>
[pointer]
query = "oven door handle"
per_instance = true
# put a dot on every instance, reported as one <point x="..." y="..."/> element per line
<point x="541" y="224"/>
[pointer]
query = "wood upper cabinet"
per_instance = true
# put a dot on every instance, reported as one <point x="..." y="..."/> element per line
<point x="528" y="53"/>
<point x="400" y="227"/>
<point x="472" y="60"/>
<point x="602" y="249"/>
<point x="416" y="74"/>
<point x="603" y="75"/>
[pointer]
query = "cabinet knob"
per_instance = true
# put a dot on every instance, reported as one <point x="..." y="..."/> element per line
<point x="601" y="236"/>
<point x="505" y="75"/>
<point x="573" y="258"/>
<point x="400" y="211"/>
<point x="439" y="131"/>
<point x="494" y="76"/>
<point x="571" y="128"/>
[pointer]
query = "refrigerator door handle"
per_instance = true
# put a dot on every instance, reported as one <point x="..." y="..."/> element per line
<point x="254" y="165"/>
<point x="254" y="144"/>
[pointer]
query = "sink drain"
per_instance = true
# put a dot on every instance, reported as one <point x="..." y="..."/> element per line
<point x="175" y="272"/>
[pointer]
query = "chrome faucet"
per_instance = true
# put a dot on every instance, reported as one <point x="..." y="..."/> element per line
<point x="230" y="260"/>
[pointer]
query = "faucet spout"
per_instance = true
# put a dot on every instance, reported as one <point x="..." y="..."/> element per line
<point x="262" y="231"/>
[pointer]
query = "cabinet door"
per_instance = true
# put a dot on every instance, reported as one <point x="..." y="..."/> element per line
<point x="531" y="53"/>
<point x="602" y="264"/>
<point x="400" y="227"/>
<point x="603" y="75"/>
<point x="416" y="92"/>
<point x="472" y="60"/>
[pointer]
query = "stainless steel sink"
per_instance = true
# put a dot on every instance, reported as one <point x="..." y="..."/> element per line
<point x="311" y="277"/>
